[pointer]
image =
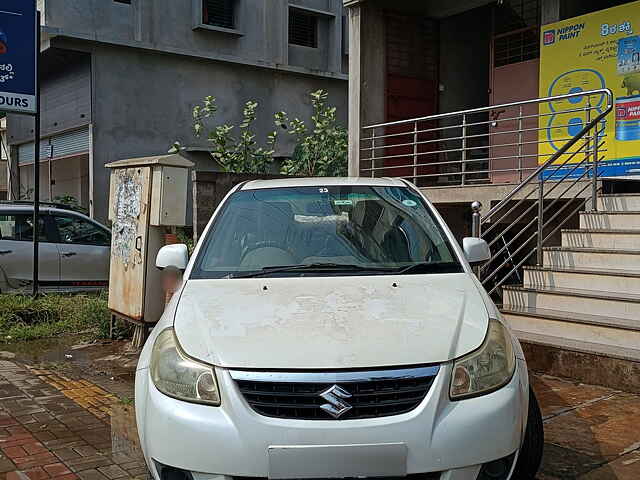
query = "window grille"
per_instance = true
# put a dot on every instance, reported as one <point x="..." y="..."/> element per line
<point x="219" y="13"/>
<point x="303" y="28"/>
<point x="516" y="31"/>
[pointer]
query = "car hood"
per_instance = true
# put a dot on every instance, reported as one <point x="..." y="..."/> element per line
<point x="330" y="322"/>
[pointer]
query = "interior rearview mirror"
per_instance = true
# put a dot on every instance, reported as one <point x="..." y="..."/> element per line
<point x="174" y="256"/>
<point x="476" y="250"/>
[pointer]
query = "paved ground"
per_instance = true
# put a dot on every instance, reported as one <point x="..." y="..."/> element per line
<point x="55" y="423"/>
<point x="591" y="433"/>
<point x="53" y="426"/>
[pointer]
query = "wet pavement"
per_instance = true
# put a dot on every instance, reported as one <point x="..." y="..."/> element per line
<point x="59" y="400"/>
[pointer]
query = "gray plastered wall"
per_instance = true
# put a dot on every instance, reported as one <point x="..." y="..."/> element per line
<point x="148" y="63"/>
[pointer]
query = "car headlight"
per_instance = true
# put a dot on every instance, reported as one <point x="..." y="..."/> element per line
<point x="486" y="369"/>
<point x="178" y="376"/>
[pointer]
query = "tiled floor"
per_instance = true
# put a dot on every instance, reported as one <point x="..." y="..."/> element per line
<point x="57" y="425"/>
<point x="591" y="433"/>
<point x="52" y="426"/>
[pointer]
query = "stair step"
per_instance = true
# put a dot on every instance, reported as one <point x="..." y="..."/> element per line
<point x="593" y="348"/>
<point x="609" y="239"/>
<point x="605" y="280"/>
<point x="579" y="301"/>
<point x="575" y="257"/>
<point x="575" y="318"/>
<point x="621" y="202"/>
<point x="627" y="220"/>
<point x="612" y="331"/>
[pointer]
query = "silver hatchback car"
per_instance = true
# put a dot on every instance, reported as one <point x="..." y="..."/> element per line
<point x="74" y="249"/>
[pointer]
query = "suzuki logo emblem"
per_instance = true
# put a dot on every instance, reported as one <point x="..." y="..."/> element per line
<point x="336" y="406"/>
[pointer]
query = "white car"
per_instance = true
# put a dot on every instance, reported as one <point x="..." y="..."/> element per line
<point x="333" y="328"/>
<point x="73" y="251"/>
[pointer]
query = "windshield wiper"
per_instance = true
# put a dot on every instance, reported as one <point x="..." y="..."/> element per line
<point x="430" y="267"/>
<point x="314" y="267"/>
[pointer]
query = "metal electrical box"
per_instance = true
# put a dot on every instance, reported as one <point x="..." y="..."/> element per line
<point x="145" y="195"/>
<point x="169" y="184"/>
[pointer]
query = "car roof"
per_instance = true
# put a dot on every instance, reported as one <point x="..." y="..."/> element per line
<point x="322" y="182"/>
<point x="21" y="207"/>
<point x="44" y="207"/>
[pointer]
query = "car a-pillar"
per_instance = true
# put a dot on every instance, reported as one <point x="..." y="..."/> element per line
<point x="147" y="202"/>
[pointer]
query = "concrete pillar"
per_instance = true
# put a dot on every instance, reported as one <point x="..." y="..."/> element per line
<point x="550" y="11"/>
<point x="366" y="74"/>
<point x="354" y="89"/>
<point x="276" y="21"/>
<point x="335" y="37"/>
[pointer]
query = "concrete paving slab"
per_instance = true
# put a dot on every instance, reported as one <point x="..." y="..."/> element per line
<point x="563" y="463"/>
<point x="627" y="467"/>
<point x="556" y="395"/>
<point x="604" y="429"/>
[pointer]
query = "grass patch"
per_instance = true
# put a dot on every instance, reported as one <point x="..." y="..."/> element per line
<point x="25" y="318"/>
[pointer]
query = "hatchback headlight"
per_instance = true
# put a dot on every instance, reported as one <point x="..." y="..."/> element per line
<point x="486" y="369"/>
<point x="178" y="376"/>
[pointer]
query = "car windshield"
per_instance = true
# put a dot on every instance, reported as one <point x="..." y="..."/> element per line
<point x="333" y="230"/>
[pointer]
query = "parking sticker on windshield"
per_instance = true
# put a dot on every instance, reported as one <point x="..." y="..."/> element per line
<point x="342" y="202"/>
<point x="409" y="203"/>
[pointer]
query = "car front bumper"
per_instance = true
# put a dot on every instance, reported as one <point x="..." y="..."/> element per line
<point x="452" y="438"/>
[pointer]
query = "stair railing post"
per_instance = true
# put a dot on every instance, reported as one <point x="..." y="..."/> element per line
<point x="589" y="150"/>
<point x="415" y="153"/>
<point x="520" y="140"/>
<point x="464" y="148"/>
<point x="373" y="152"/>
<point x="539" y="255"/>
<point x="594" y="169"/>
<point x="476" y="208"/>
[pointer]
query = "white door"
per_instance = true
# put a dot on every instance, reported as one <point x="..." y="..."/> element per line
<point x="16" y="253"/>
<point x="84" y="251"/>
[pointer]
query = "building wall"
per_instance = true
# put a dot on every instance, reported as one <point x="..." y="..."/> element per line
<point x="143" y="103"/>
<point x="149" y="63"/>
<point x="65" y="100"/>
<point x="176" y="26"/>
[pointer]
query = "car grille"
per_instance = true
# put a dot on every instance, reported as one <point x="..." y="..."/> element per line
<point x="413" y="476"/>
<point x="379" y="393"/>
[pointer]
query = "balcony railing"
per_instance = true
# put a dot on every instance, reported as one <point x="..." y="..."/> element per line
<point x="549" y="148"/>
<point x="499" y="144"/>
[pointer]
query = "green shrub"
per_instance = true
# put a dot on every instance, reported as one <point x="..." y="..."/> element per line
<point x="321" y="149"/>
<point x="25" y="318"/>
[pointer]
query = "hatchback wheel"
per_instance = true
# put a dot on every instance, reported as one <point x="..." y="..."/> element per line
<point x="531" y="451"/>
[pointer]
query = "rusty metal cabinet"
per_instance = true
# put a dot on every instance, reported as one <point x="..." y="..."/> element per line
<point x="146" y="195"/>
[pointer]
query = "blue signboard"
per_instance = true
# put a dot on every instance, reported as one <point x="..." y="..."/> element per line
<point x="18" y="56"/>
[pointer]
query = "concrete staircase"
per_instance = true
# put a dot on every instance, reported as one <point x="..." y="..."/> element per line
<point x="579" y="314"/>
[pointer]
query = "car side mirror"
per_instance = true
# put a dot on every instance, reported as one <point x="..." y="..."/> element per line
<point x="174" y="256"/>
<point x="476" y="250"/>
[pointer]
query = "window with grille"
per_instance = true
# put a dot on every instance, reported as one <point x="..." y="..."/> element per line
<point x="516" y="47"/>
<point x="303" y="28"/>
<point x="516" y="31"/>
<point x="219" y="13"/>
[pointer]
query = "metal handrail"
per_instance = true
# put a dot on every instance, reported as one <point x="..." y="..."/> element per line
<point x="502" y="144"/>
<point x="592" y="136"/>
<point x="559" y="153"/>
<point x="441" y="116"/>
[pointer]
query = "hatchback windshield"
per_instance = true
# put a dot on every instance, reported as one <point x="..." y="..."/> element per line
<point x="333" y="230"/>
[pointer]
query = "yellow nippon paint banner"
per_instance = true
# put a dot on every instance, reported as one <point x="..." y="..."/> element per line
<point x="598" y="50"/>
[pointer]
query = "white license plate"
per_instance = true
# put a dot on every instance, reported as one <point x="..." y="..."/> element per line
<point x="337" y="461"/>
